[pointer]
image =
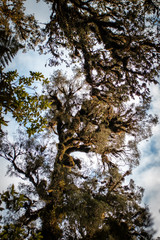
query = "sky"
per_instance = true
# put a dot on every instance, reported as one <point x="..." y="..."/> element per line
<point x="147" y="174"/>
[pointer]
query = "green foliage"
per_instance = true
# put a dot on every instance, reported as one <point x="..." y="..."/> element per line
<point x="12" y="232"/>
<point x="18" y="96"/>
<point x="8" y="48"/>
<point x="18" y="25"/>
<point x="13" y="200"/>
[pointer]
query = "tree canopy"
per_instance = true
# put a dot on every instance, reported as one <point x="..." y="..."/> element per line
<point x="16" y="23"/>
<point x="71" y="163"/>
<point x="24" y="106"/>
<point x="115" y="42"/>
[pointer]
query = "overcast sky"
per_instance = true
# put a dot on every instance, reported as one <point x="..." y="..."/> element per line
<point x="147" y="174"/>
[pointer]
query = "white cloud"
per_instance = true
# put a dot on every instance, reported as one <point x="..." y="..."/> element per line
<point x="147" y="174"/>
<point x="155" y="91"/>
<point x="30" y="61"/>
<point x="40" y="10"/>
<point x="149" y="179"/>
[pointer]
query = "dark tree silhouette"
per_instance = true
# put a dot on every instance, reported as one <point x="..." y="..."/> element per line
<point x="93" y="119"/>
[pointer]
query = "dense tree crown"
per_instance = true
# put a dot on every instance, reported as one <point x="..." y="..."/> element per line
<point x="82" y="129"/>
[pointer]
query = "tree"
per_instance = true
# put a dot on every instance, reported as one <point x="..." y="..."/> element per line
<point x="87" y="205"/>
<point x="24" y="106"/>
<point x="64" y="196"/>
<point x="61" y="194"/>
<point x="126" y="56"/>
<point x="19" y="31"/>
<point x="8" y="48"/>
<point x="16" y="23"/>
